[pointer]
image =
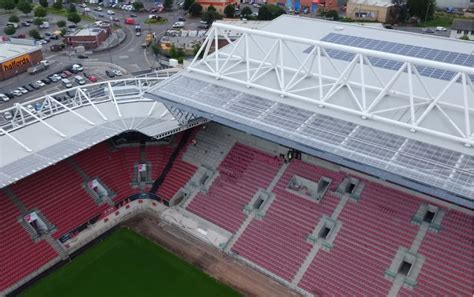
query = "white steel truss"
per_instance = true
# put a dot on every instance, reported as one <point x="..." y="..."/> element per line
<point x="38" y="110"/>
<point x="275" y="63"/>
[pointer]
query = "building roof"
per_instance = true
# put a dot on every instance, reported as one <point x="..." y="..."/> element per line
<point x="10" y="50"/>
<point x="377" y="3"/>
<point x="55" y="132"/>
<point x="465" y="25"/>
<point x="90" y="31"/>
<point x="269" y="82"/>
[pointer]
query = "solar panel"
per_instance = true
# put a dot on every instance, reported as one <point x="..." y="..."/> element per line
<point x="400" y="49"/>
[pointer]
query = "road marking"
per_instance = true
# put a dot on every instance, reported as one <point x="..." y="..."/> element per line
<point x="123" y="57"/>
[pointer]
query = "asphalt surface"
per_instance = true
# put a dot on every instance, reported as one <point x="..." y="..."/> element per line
<point x="129" y="55"/>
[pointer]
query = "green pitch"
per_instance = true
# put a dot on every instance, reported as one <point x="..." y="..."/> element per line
<point x="127" y="264"/>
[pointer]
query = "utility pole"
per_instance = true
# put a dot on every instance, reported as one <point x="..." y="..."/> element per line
<point x="427" y="10"/>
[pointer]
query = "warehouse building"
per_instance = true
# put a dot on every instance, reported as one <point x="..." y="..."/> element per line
<point x="17" y="58"/>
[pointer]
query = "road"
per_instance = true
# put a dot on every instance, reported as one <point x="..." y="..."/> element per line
<point x="128" y="55"/>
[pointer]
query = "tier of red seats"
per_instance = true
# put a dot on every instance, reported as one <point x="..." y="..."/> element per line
<point x="110" y="166"/>
<point x="20" y="256"/>
<point x="243" y="171"/>
<point x="448" y="269"/>
<point x="179" y="173"/>
<point x="278" y="242"/>
<point x="58" y="193"/>
<point x="158" y="156"/>
<point x="373" y="229"/>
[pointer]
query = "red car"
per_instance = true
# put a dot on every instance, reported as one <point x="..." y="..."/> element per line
<point x="92" y="78"/>
<point x="67" y="73"/>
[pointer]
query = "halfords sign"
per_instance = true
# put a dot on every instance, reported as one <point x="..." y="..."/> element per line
<point x="17" y="63"/>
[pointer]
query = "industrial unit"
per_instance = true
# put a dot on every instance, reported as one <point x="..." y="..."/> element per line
<point x="17" y="58"/>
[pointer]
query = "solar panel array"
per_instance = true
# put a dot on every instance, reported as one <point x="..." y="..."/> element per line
<point x="428" y="164"/>
<point x="400" y="49"/>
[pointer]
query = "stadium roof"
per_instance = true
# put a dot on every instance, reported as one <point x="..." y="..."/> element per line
<point x="45" y="131"/>
<point x="399" y="102"/>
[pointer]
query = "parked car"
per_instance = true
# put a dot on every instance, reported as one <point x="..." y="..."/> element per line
<point x="40" y="83"/>
<point x="25" y="24"/>
<point x="4" y="98"/>
<point x="98" y="9"/>
<point x="132" y="15"/>
<point x="117" y="72"/>
<point x="23" y="90"/>
<point x="92" y="78"/>
<point x="76" y="68"/>
<point x="17" y="93"/>
<point x="110" y="12"/>
<point x="66" y="82"/>
<point x="67" y="72"/>
<point x="100" y="15"/>
<point x="7" y="115"/>
<point x="27" y="87"/>
<point x="82" y="56"/>
<point x="110" y="73"/>
<point x="34" y="86"/>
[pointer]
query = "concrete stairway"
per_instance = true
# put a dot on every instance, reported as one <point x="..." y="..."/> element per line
<point x="16" y="201"/>
<point x="212" y="145"/>
<point x="56" y="246"/>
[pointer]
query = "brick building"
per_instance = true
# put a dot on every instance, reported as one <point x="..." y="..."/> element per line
<point x="218" y="4"/>
<point x="372" y="10"/>
<point x="17" y="58"/>
<point x="89" y="38"/>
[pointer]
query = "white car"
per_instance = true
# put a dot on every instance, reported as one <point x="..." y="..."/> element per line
<point x="17" y="92"/>
<point x="23" y="90"/>
<point x="99" y="9"/>
<point x="110" y="12"/>
<point x="117" y="72"/>
<point x="40" y="83"/>
<point x="30" y="108"/>
<point x="441" y="29"/>
<point x="8" y="115"/>
<point x="83" y="5"/>
<point x="4" y="98"/>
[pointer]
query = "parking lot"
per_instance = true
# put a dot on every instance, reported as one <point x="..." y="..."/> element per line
<point x="51" y="81"/>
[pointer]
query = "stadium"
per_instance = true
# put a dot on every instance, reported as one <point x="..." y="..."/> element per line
<point x="306" y="158"/>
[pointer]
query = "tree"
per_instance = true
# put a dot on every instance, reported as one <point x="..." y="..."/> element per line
<point x="13" y="18"/>
<point x="73" y="17"/>
<point x="210" y="16"/>
<point x="7" y="4"/>
<point x="57" y="4"/>
<point x="155" y="49"/>
<point x="63" y="31"/>
<point x="40" y="12"/>
<point x="424" y="9"/>
<point x="24" y="6"/>
<point x="464" y="37"/>
<point x="168" y="4"/>
<point x="43" y="3"/>
<point x="332" y="14"/>
<point x="72" y="8"/>
<point x="229" y="11"/>
<point x="187" y="4"/>
<point x="195" y="9"/>
<point x="269" y="12"/>
<point x="38" y="21"/>
<point x="211" y="8"/>
<point x="34" y="34"/>
<point x="137" y="6"/>
<point x="9" y="30"/>
<point x="246" y="12"/>
<point x="61" y="23"/>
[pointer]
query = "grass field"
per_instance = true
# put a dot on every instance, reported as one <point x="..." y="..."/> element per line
<point x="127" y="264"/>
